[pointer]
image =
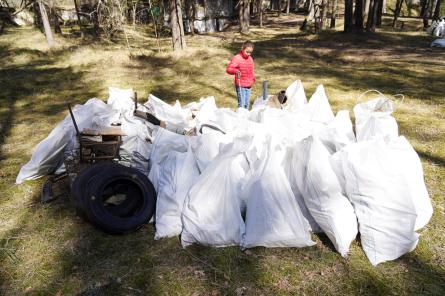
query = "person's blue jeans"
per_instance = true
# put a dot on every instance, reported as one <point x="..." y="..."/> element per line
<point x="243" y="96"/>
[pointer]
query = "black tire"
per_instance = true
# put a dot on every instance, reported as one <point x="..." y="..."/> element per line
<point x="79" y="189"/>
<point x="140" y="193"/>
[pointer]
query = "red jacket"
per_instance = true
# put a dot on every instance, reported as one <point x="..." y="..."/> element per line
<point x="244" y="64"/>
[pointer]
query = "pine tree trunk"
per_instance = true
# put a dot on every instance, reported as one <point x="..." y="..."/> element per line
<point x="46" y="26"/>
<point x="79" y="22"/>
<point x="334" y="13"/>
<point x="379" y="13"/>
<point x="244" y="16"/>
<point x="372" y="18"/>
<point x="437" y="10"/>
<point x="260" y="4"/>
<point x="288" y="6"/>
<point x="324" y="13"/>
<point x="397" y="12"/>
<point x="189" y="5"/>
<point x="425" y="9"/>
<point x="359" y="15"/>
<point x="177" y="25"/>
<point x="348" y="16"/>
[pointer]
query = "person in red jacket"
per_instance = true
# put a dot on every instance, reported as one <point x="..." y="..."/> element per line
<point x="241" y="66"/>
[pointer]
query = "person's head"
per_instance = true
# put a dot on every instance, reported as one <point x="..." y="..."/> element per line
<point x="247" y="47"/>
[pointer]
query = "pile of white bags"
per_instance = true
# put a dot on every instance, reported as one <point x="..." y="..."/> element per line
<point x="267" y="177"/>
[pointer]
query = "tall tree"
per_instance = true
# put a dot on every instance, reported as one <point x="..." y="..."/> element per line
<point x="244" y="16"/>
<point x="46" y="26"/>
<point x="372" y="17"/>
<point x="436" y="14"/>
<point x="359" y="14"/>
<point x="333" y="13"/>
<point x="425" y="12"/>
<point x="397" y="10"/>
<point x="349" y="23"/>
<point x="177" y="25"/>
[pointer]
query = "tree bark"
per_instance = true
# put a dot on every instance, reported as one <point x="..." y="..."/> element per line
<point x="397" y="10"/>
<point x="177" y="25"/>
<point x="260" y="7"/>
<point x="79" y="22"/>
<point x="46" y="26"/>
<point x="324" y="13"/>
<point x="348" y="16"/>
<point x="366" y="8"/>
<point x="189" y="11"/>
<point x="359" y="15"/>
<point x="244" y="16"/>
<point x="437" y="10"/>
<point x="334" y="13"/>
<point x="425" y="10"/>
<point x="372" y="18"/>
<point x="379" y="13"/>
<point x="288" y="6"/>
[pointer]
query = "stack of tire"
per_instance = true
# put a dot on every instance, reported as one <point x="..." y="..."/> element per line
<point x="115" y="198"/>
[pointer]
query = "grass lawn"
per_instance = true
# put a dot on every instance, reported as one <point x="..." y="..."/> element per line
<point x="48" y="250"/>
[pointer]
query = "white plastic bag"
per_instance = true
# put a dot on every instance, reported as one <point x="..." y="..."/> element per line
<point x="178" y="174"/>
<point x="174" y="116"/>
<point x="121" y="100"/>
<point x="322" y="194"/>
<point x="48" y="154"/>
<point x="296" y="98"/>
<point x="207" y="146"/>
<point x="384" y="181"/>
<point x="211" y="214"/>
<point x="164" y="142"/>
<point x="373" y="119"/>
<point x="338" y="133"/>
<point x="273" y="217"/>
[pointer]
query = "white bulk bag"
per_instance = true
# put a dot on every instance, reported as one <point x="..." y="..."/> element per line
<point x="178" y="174"/>
<point x="373" y="119"/>
<point x="323" y="194"/>
<point x="273" y="217"/>
<point x="292" y="171"/>
<point x="384" y="181"/>
<point x="121" y="100"/>
<point x="164" y="142"/>
<point x="296" y="98"/>
<point x="174" y="116"/>
<point x="207" y="146"/>
<point x="48" y="154"/>
<point x="211" y="214"/>
<point x="136" y="145"/>
<point x="318" y="109"/>
<point x="338" y="133"/>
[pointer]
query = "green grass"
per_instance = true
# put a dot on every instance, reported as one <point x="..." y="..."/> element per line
<point x="46" y="249"/>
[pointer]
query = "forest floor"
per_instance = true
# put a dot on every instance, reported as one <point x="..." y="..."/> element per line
<point x="48" y="250"/>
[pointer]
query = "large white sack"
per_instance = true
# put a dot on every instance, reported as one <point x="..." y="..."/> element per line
<point x="174" y="116"/>
<point x="373" y="119"/>
<point x="121" y="100"/>
<point x="136" y="144"/>
<point x="207" y="146"/>
<point x="211" y="214"/>
<point x="48" y="154"/>
<point x="338" y="133"/>
<point x="318" y="109"/>
<point x="296" y="98"/>
<point x="273" y="217"/>
<point x="178" y="174"/>
<point x="322" y="194"/>
<point x="164" y="142"/>
<point x="292" y="171"/>
<point x="384" y="181"/>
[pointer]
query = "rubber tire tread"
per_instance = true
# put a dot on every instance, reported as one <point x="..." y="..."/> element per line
<point x="109" y="223"/>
